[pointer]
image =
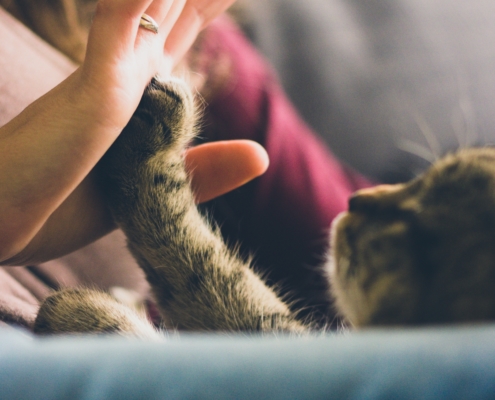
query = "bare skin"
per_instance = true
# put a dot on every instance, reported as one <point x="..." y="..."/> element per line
<point x="49" y="205"/>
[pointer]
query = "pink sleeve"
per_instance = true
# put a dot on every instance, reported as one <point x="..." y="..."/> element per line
<point x="284" y="216"/>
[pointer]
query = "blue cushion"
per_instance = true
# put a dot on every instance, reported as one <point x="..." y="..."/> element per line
<point x="449" y="363"/>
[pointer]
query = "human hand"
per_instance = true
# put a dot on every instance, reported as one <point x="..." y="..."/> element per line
<point x="122" y="57"/>
<point x="195" y="16"/>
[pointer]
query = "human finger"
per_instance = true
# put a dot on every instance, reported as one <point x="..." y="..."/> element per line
<point x="150" y="43"/>
<point x="195" y="16"/>
<point x="219" y="167"/>
<point x="114" y="27"/>
<point x="164" y="13"/>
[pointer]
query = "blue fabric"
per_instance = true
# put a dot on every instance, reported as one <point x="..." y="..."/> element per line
<point x="453" y="363"/>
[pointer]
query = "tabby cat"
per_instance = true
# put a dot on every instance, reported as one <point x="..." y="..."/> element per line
<point x="417" y="253"/>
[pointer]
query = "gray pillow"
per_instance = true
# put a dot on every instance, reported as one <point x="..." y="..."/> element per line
<point x="389" y="84"/>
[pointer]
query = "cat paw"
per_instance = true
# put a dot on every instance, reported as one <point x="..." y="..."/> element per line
<point x="78" y="311"/>
<point x="162" y="127"/>
<point x="168" y="111"/>
<point x="146" y="161"/>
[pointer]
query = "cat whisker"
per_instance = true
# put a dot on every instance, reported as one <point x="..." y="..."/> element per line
<point x="416" y="149"/>
<point x="431" y="153"/>
<point x="429" y="135"/>
<point x="464" y="120"/>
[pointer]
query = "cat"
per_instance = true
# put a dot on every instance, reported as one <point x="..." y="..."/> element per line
<point x="421" y="252"/>
<point x="408" y="254"/>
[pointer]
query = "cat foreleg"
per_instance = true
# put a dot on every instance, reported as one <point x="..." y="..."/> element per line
<point x="199" y="284"/>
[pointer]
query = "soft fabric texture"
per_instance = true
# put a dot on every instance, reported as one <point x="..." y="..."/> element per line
<point x="29" y="67"/>
<point x="282" y="218"/>
<point x="436" y="364"/>
<point x="383" y="80"/>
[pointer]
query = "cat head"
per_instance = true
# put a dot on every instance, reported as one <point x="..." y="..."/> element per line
<point x="421" y="252"/>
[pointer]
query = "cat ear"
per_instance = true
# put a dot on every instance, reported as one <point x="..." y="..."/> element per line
<point x="384" y="197"/>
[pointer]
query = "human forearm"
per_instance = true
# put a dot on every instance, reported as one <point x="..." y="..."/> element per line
<point x="45" y="153"/>
<point x="81" y="219"/>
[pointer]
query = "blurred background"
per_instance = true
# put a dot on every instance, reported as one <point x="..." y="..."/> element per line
<point x="390" y="85"/>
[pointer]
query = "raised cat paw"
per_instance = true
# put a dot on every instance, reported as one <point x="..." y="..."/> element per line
<point x="164" y="121"/>
<point x="167" y="108"/>
<point x="153" y="141"/>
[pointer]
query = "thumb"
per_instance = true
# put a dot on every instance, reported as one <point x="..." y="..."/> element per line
<point x="219" y="167"/>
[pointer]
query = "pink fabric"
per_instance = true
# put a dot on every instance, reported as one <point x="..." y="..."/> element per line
<point x="253" y="106"/>
<point x="29" y="67"/>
